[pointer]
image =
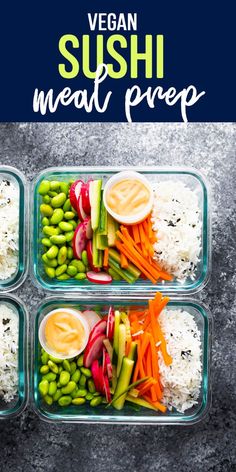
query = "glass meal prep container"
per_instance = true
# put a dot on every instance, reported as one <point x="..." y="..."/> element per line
<point x="191" y="177"/>
<point x="87" y="414"/>
<point x="17" y="178"/>
<point x="18" y="404"/>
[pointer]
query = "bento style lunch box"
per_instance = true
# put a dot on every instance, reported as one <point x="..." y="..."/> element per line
<point x="132" y="412"/>
<point x="13" y="228"/>
<point x="13" y="364"/>
<point x="135" y="230"/>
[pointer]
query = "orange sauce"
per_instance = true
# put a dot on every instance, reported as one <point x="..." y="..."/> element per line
<point x="64" y="333"/>
<point x="128" y="197"/>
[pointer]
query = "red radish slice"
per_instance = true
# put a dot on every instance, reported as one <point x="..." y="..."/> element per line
<point x="79" y="240"/>
<point x="96" y="374"/>
<point x="99" y="328"/>
<point x="107" y="389"/>
<point x="81" y="213"/>
<point x="85" y="197"/>
<point x="110" y="323"/>
<point x="109" y="371"/>
<point x="93" y="350"/>
<point x="89" y="231"/>
<point x="89" y="249"/>
<point x="101" y="380"/>
<point x="106" y="364"/>
<point x="75" y="193"/>
<point x="99" y="277"/>
<point x="91" y="317"/>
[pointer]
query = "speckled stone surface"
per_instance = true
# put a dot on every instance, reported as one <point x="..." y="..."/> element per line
<point x="28" y="444"/>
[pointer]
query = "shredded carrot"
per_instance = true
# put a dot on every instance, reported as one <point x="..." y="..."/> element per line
<point x="123" y="261"/>
<point x="157" y="405"/>
<point x="158" y="335"/>
<point x="105" y="257"/>
<point x="133" y="259"/>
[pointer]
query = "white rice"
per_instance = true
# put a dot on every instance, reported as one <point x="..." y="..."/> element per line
<point x="182" y="379"/>
<point x="9" y="228"/>
<point x="9" y="328"/>
<point x="177" y="225"/>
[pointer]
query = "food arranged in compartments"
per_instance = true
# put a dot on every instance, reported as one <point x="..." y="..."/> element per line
<point x="149" y="358"/>
<point x="13" y="346"/>
<point x="122" y="230"/>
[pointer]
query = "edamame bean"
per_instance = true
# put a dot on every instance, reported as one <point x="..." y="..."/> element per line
<point x="52" y="193"/>
<point x="60" y="270"/>
<point x="74" y="224"/>
<point x="45" y="221"/>
<point x="60" y="369"/>
<point x="64" y="378"/>
<point x="69" y="215"/>
<point x="69" y="236"/>
<point x="44" y="369"/>
<point x="89" y="396"/>
<point x="50" y="377"/>
<point x="78" y="264"/>
<point x="64" y="186"/>
<point x="54" y="185"/>
<point x="57" y="395"/>
<point x="72" y="368"/>
<point x="59" y="200"/>
<point x="51" y="231"/>
<point x="96" y="401"/>
<point x="78" y="401"/>
<point x="44" y="357"/>
<point x="52" y="388"/>
<point x="55" y="359"/>
<point x="67" y="205"/>
<point x="80" y="276"/>
<point x="66" y="365"/>
<point x="91" y="386"/>
<point x="62" y="255"/>
<point x="80" y="360"/>
<point x="57" y="216"/>
<point x="58" y="239"/>
<point x="44" y="187"/>
<point x="50" y="271"/>
<point x="71" y="270"/>
<point x="48" y="400"/>
<point x="63" y="277"/>
<point x="96" y="394"/>
<point x="46" y="242"/>
<point x="52" y="252"/>
<point x="49" y="262"/>
<point x="43" y="387"/>
<point x="76" y="376"/>
<point x="65" y="226"/>
<point x="53" y="367"/>
<point x="86" y="372"/>
<point x="46" y="210"/>
<point x="69" y="388"/>
<point x="82" y="380"/>
<point x="84" y="258"/>
<point x="46" y="199"/>
<point x="65" y="400"/>
<point x="70" y="253"/>
<point x="82" y="392"/>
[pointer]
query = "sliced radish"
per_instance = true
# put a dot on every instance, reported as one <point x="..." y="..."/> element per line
<point x="89" y="232"/>
<point x="96" y="374"/>
<point x="108" y="347"/>
<point x="109" y="371"/>
<point x="75" y="193"/>
<point x="79" y="240"/>
<point x="85" y="197"/>
<point x="99" y="277"/>
<point x="110" y="323"/>
<point x="106" y="364"/>
<point x="99" y="328"/>
<point x="89" y="249"/>
<point x="107" y="389"/>
<point x="81" y="213"/>
<point x="93" y="350"/>
<point x="91" y="317"/>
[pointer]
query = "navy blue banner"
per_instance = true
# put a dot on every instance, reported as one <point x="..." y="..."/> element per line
<point x="163" y="61"/>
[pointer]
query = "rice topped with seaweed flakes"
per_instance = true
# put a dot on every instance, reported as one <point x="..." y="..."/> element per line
<point x="9" y="329"/>
<point x="9" y="228"/>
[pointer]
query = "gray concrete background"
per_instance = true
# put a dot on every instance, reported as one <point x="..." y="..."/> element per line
<point x="28" y="444"/>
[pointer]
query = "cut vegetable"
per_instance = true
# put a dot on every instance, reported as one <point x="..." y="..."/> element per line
<point x="75" y="193"/>
<point x="81" y="213"/>
<point x="123" y="383"/>
<point x="89" y="249"/>
<point x="91" y="317"/>
<point x="88" y="228"/>
<point x="95" y="202"/>
<point x="79" y="240"/>
<point x="93" y="350"/>
<point x="99" y="277"/>
<point x="116" y="333"/>
<point x="85" y="197"/>
<point x="121" y="347"/>
<point x="110" y="323"/>
<point x="112" y="227"/>
<point x="99" y="328"/>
